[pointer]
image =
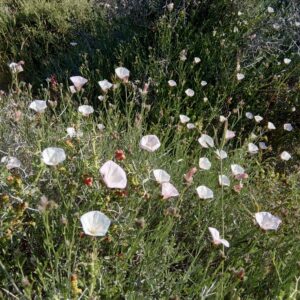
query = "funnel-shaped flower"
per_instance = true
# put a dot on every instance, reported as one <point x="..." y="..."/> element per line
<point x="95" y="223"/>
<point x="267" y="221"/>
<point x="170" y="6"/>
<point x="172" y="83"/>
<point x="204" y="192"/>
<point x="258" y="119"/>
<point x="122" y="73"/>
<point x="161" y="176"/>
<point x="101" y="127"/>
<point x="249" y="115"/>
<point x="190" y="125"/>
<point x="184" y="119"/>
<point x="221" y="154"/>
<point x="224" y="180"/>
<point x="237" y="170"/>
<point x="222" y="119"/>
<point x="150" y="143"/>
<point x="113" y="175"/>
<point x="204" y="163"/>
<point x="285" y="155"/>
<point x="271" y="126"/>
<point x="262" y="145"/>
<point x="11" y="162"/>
<point x="197" y="60"/>
<point x="216" y="237"/>
<point x="206" y="141"/>
<point x="288" y="127"/>
<point x="52" y="156"/>
<point x="229" y="134"/>
<point x="168" y="190"/>
<point x="86" y="110"/>
<point x="240" y="76"/>
<point x="190" y="92"/>
<point x="105" y="85"/>
<point x="78" y="82"/>
<point x="38" y="105"/>
<point x="16" y="67"/>
<point x="72" y="133"/>
<point x="253" y="149"/>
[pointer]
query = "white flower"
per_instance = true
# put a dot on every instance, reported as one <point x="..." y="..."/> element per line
<point x="222" y="119"/>
<point x="204" y="163"/>
<point x="252" y="148"/>
<point x="86" y="110"/>
<point x="249" y="115"/>
<point x="170" y="6"/>
<point x="189" y="92"/>
<point x="78" y="82"/>
<point x="161" y="176"/>
<point x="258" y="119"/>
<point x="204" y="192"/>
<point x="38" y="105"/>
<point x="190" y="125"/>
<point x="172" y="83"/>
<point x="72" y="133"/>
<point x="262" y="145"/>
<point x="100" y="127"/>
<point x="270" y="10"/>
<point x="95" y="223"/>
<point x="168" y="190"/>
<point x="73" y="44"/>
<point x="203" y="83"/>
<point x="16" y="67"/>
<point x="216" y="237"/>
<point x="113" y="175"/>
<point x="206" y="141"/>
<point x="287" y="61"/>
<point x="224" y="180"/>
<point x="52" y="156"/>
<point x="237" y="169"/>
<point x="105" y="85"/>
<point x="197" y="60"/>
<point x="297" y="24"/>
<point x="72" y="89"/>
<point x="221" y="154"/>
<point x="276" y="26"/>
<point x="285" y="155"/>
<point x="122" y="73"/>
<point x="184" y="119"/>
<point x="150" y="143"/>
<point x="267" y="221"/>
<point x="240" y="76"/>
<point x="288" y="127"/>
<point x="205" y="99"/>
<point x="229" y="134"/>
<point x="271" y="126"/>
<point x="11" y="162"/>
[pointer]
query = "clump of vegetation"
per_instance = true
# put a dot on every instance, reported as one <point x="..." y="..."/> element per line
<point x="154" y="168"/>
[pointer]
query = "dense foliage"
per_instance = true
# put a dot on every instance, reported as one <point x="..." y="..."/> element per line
<point x="236" y="68"/>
